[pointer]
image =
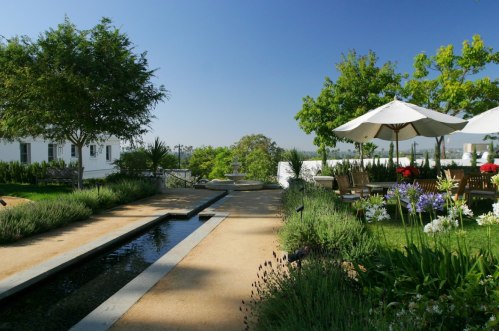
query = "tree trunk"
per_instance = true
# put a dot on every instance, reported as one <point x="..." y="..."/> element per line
<point x="80" y="166"/>
<point x="437" y="160"/>
<point x="443" y="148"/>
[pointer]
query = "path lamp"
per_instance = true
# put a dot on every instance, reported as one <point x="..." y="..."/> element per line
<point x="300" y="210"/>
<point x="98" y="184"/>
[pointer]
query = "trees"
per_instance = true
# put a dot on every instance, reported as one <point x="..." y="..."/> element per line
<point x="248" y="145"/>
<point x="361" y="86"/>
<point x="76" y="85"/>
<point x="451" y="92"/>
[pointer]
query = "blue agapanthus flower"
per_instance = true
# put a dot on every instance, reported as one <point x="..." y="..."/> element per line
<point x="409" y="191"/>
<point x="428" y="202"/>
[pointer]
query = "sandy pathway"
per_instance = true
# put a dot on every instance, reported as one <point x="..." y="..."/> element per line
<point x="204" y="291"/>
<point x="31" y="251"/>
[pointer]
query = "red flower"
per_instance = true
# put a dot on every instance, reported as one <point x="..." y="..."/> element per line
<point x="407" y="173"/>
<point x="489" y="167"/>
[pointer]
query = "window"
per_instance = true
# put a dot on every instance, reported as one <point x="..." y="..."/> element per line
<point x="52" y="156"/>
<point x="108" y="153"/>
<point x="93" y="151"/>
<point x="25" y="153"/>
<point x="73" y="150"/>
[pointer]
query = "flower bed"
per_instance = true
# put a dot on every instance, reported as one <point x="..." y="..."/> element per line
<point x="435" y="282"/>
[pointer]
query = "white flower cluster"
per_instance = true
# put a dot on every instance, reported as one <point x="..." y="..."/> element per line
<point x="441" y="225"/>
<point x="460" y="210"/>
<point x="377" y="213"/>
<point x="495" y="207"/>
<point x="488" y="219"/>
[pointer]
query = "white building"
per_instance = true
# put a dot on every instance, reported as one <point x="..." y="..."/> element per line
<point x="97" y="158"/>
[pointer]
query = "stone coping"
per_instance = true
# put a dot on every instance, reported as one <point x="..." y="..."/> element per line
<point x="29" y="277"/>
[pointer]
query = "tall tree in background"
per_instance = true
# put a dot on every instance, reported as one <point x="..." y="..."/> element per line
<point x="76" y="85"/>
<point x="250" y="144"/>
<point x="451" y="92"/>
<point x="361" y="86"/>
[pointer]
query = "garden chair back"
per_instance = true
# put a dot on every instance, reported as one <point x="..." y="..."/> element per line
<point x="428" y="185"/>
<point x="461" y="189"/>
<point x="346" y="191"/>
<point x="480" y="187"/>
<point x="361" y="178"/>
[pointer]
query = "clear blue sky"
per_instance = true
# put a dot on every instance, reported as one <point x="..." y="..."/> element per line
<point x="240" y="67"/>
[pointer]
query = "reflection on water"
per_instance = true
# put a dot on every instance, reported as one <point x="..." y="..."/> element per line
<point x="65" y="300"/>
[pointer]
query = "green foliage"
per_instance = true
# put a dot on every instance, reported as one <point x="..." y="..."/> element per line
<point x="26" y="220"/>
<point x="317" y="296"/>
<point x="16" y="172"/>
<point x="326" y="224"/>
<point x="413" y="157"/>
<point x="490" y="157"/>
<point x="202" y="160"/>
<point x="360" y="87"/>
<point x="90" y="82"/>
<point x="295" y="162"/>
<point x="156" y="152"/>
<point x="391" y="164"/>
<point x="426" y="165"/>
<point x="474" y="158"/>
<point x="133" y="162"/>
<point x="222" y="162"/>
<point x="270" y="154"/>
<point x="452" y="92"/>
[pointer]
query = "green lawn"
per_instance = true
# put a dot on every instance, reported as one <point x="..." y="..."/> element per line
<point x="31" y="192"/>
<point x="476" y="235"/>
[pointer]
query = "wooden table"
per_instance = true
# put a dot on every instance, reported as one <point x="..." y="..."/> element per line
<point x="384" y="185"/>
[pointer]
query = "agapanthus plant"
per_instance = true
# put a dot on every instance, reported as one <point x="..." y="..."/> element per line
<point x="429" y="202"/>
<point x="440" y="225"/>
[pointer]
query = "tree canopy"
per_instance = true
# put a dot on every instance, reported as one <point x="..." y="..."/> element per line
<point x="451" y="91"/>
<point x="361" y="86"/>
<point x="76" y="85"/>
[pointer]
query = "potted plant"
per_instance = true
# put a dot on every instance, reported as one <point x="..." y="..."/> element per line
<point x="407" y="174"/>
<point x="489" y="168"/>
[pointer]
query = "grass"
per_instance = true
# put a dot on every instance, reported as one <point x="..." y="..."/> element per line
<point x="31" y="192"/>
<point x="476" y="234"/>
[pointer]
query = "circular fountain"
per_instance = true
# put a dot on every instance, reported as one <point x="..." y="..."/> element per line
<point x="235" y="182"/>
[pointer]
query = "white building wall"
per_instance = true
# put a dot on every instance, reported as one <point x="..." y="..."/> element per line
<point x="95" y="167"/>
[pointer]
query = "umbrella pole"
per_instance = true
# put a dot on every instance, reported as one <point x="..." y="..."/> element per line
<point x="397" y="144"/>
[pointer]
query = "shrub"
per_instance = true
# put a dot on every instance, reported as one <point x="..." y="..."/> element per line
<point x="26" y="220"/>
<point x="326" y="224"/>
<point x="318" y="296"/>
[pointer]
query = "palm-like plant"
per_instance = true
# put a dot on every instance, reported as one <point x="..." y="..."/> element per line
<point x="294" y="161"/>
<point x="156" y="152"/>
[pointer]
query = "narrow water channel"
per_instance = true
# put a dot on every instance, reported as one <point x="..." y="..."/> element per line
<point x="64" y="300"/>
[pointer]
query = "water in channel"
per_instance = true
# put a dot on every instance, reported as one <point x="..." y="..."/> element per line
<point x="64" y="300"/>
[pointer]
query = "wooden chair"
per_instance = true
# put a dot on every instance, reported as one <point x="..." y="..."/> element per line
<point x="346" y="191"/>
<point x="361" y="178"/>
<point x="480" y="187"/>
<point x="461" y="191"/>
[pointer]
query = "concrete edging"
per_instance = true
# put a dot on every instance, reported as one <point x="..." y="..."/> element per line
<point x="29" y="277"/>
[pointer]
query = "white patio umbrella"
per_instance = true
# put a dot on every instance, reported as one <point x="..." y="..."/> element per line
<point x="398" y="120"/>
<point x="486" y="122"/>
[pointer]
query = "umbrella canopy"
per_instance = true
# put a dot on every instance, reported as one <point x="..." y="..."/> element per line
<point x="486" y="122"/>
<point x="398" y="120"/>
